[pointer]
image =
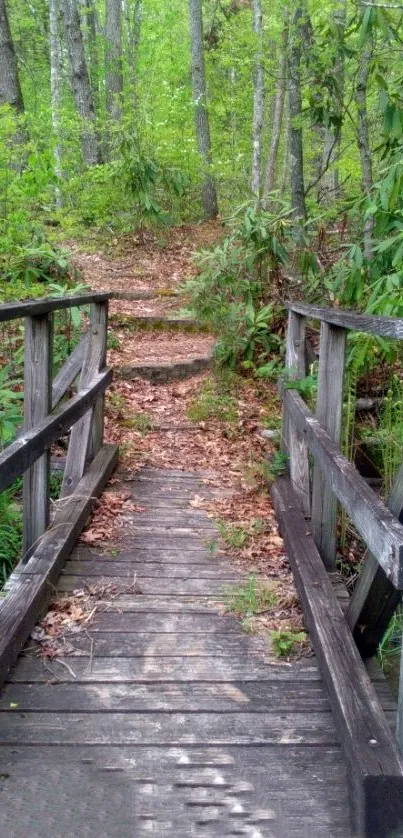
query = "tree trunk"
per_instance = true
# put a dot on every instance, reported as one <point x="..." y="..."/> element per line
<point x="133" y="24"/>
<point x="330" y="186"/>
<point x="113" y="59"/>
<point x="363" y="142"/>
<point x="10" y="90"/>
<point x="271" y="165"/>
<point x="295" y="106"/>
<point x="258" y="98"/>
<point x="55" y="93"/>
<point x="209" y="193"/>
<point x="80" y="82"/>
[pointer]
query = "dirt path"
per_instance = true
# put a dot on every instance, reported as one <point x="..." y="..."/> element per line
<point x="198" y="423"/>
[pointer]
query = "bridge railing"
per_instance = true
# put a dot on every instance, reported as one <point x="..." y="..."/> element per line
<point x="48" y="416"/>
<point x="320" y="477"/>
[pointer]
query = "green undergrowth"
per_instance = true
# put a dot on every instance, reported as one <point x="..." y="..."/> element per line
<point x="287" y="642"/>
<point x="251" y="597"/>
<point x="215" y="401"/>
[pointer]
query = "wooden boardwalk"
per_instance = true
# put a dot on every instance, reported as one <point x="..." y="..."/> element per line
<point x="165" y="717"/>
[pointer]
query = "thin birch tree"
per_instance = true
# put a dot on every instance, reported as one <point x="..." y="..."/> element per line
<point x="113" y="59"/>
<point x="202" y="124"/>
<point x="363" y="141"/>
<point x="278" y="112"/>
<point x="295" y="108"/>
<point x="258" y="99"/>
<point x="54" y="44"/>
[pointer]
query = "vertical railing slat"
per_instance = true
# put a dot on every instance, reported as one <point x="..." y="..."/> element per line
<point x="329" y="409"/>
<point x="37" y="405"/>
<point x="293" y="443"/>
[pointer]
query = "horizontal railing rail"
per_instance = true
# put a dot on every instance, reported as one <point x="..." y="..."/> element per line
<point x="47" y="305"/>
<point x="386" y="327"/>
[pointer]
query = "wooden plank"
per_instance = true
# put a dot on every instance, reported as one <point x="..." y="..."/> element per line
<point x="37" y="406"/>
<point x="137" y="670"/>
<point x="167" y="729"/>
<point x="387" y="327"/>
<point x="144" y="556"/>
<point x="26" y="596"/>
<point x="379" y="528"/>
<point x="329" y="407"/>
<point x="275" y="697"/>
<point x="375" y="598"/>
<point x="125" y="570"/>
<point x="293" y="443"/>
<point x="375" y="768"/>
<point x="28" y="447"/>
<point x="81" y="432"/>
<point x="160" y="622"/>
<point x="45" y="305"/>
<point x="69" y="371"/>
<point x="131" y="644"/>
<point x="177" y="587"/>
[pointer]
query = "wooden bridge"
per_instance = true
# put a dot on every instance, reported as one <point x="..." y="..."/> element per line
<point x="165" y="717"/>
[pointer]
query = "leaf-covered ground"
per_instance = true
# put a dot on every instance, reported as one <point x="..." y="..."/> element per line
<point x="203" y="423"/>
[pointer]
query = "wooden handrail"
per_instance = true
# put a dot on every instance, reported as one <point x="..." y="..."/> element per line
<point x="45" y="305"/>
<point x="386" y="327"/>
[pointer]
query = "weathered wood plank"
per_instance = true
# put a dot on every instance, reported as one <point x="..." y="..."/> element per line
<point x="159" y="622"/>
<point x="130" y="644"/>
<point x="69" y="371"/>
<point x="45" y="305"/>
<point x="132" y="670"/>
<point x="293" y="443"/>
<point x="380" y="529"/>
<point x="387" y="327"/>
<point x="37" y="406"/>
<point x="176" y="587"/>
<point x="126" y="570"/>
<point x="81" y="432"/>
<point x="143" y="556"/>
<point x="28" y="447"/>
<point x="255" y="696"/>
<point x="27" y="596"/>
<point x="375" y="768"/>
<point x="329" y="406"/>
<point x="167" y="729"/>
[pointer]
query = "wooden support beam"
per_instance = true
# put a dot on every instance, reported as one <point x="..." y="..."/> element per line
<point x="30" y="585"/>
<point x="374" y="765"/>
<point x="329" y="408"/>
<point x="375" y="598"/>
<point x="37" y="405"/>
<point x="381" y="531"/>
<point x="81" y="433"/>
<point x="293" y="443"/>
<point x="28" y="447"/>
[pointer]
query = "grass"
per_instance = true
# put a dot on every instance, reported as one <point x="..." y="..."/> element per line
<point x="213" y="402"/>
<point x="390" y="647"/>
<point x="251" y="597"/>
<point x="286" y="641"/>
<point x="233" y="535"/>
<point x="140" y="422"/>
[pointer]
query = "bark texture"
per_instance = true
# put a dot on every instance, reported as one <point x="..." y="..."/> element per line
<point x="133" y="25"/>
<point x="295" y="107"/>
<point x="113" y="59"/>
<point x="209" y="193"/>
<point x="10" y="90"/>
<point x="278" y="112"/>
<point x="80" y="82"/>
<point x="258" y="98"/>
<point x="54" y="44"/>
<point x="330" y="186"/>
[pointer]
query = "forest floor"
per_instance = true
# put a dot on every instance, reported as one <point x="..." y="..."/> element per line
<point x="206" y="422"/>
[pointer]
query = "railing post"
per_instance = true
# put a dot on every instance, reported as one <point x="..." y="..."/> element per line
<point x="329" y="407"/>
<point x="292" y="441"/>
<point x="37" y="405"/>
<point x="86" y="436"/>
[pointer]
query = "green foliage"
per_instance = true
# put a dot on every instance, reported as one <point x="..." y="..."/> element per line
<point x="11" y="402"/>
<point x="277" y="465"/>
<point x="10" y="532"/>
<point x="251" y="597"/>
<point x="287" y="642"/>
<point x="233" y="535"/>
<point x="140" y="422"/>
<point x="230" y="292"/>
